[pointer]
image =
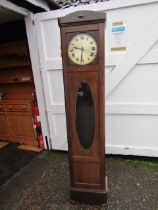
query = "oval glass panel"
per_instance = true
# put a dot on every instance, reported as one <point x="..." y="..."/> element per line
<point x="85" y="115"/>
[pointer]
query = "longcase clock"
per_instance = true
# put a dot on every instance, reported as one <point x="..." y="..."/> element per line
<point x="82" y="46"/>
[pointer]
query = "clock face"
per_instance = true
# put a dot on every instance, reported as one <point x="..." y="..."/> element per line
<point x="82" y="49"/>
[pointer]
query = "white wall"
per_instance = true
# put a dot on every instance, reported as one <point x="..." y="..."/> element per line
<point x="131" y="76"/>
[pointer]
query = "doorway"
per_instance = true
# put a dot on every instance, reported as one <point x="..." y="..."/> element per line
<point x="19" y="123"/>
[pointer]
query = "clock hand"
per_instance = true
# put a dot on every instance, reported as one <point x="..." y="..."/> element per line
<point x="81" y="54"/>
<point x="78" y="48"/>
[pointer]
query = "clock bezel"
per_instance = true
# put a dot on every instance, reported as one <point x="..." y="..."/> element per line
<point x="94" y="35"/>
<point x="75" y="36"/>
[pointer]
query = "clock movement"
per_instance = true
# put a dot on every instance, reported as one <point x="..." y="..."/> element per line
<point x="82" y="46"/>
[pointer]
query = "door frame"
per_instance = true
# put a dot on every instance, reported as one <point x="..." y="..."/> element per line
<point x="34" y="56"/>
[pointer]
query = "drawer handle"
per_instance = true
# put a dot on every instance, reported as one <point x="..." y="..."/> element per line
<point x="9" y="106"/>
<point x="24" y="107"/>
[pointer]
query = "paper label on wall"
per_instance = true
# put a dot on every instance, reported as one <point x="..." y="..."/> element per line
<point x="118" y="30"/>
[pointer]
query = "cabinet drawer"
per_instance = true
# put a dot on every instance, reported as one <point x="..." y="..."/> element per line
<point x="17" y="107"/>
<point x="2" y="107"/>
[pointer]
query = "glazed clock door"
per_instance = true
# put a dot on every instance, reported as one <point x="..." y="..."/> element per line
<point x="84" y="132"/>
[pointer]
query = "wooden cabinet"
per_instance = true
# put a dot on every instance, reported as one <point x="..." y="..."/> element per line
<point x="17" y="88"/>
<point x="16" y="123"/>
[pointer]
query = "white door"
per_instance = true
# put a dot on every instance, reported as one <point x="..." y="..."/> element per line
<point x="48" y="36"/>
<point x="131" y="77"/>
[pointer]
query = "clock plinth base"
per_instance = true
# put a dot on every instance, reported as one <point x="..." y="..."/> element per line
<point x="88" y="196"/>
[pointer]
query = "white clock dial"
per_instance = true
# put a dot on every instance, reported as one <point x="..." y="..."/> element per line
<point x="82" y="49"/>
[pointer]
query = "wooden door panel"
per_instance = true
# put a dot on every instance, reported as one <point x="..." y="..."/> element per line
<point x="5" y="130"/>
<point x="22" y="127"/>
<point x="86" y="172"/>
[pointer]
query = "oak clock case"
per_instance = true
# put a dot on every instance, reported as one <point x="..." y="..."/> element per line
<point x="82" y="46"/>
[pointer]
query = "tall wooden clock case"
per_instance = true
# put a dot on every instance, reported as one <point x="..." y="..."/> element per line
<point x="82" y="45"/>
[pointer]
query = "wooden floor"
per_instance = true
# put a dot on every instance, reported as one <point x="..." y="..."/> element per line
<point x="30" y="148"/>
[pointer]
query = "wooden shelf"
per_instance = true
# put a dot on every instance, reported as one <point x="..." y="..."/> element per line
<point x="14" y="55"/>
<point x="11" y="65"/>
<point x="16" y="79"/>
<point x="14" y="82"/>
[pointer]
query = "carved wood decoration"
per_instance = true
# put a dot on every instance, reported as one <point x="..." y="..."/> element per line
<point x="82" y="38"/>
